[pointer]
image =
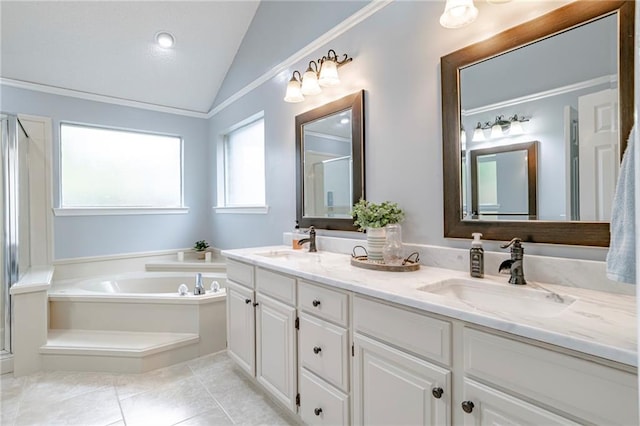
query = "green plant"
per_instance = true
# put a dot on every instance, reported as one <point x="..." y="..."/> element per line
<point x="371" y="215"/>
<point x="201" y="245"/>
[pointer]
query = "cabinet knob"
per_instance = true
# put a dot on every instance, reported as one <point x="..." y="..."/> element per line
<point x="255" y="304"/>
<point x="437" y="392"/>
<point x="316" y="349"/>
<point x="247" y="301"/>
<point x="316" y="303"/>
<point x="317" y="411"/>
<point x="467" y="406"/>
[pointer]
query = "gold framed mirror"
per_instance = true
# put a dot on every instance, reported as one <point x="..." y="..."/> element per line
<point x="330" y="163"/>
<point x="565" y="227"/>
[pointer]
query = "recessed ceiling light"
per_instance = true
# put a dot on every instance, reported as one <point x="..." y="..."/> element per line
<point x="165" y="39"/>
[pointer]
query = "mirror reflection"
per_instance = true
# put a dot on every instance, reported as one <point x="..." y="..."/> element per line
<point x="504" y="182"/>
<point x="328" y="166"/>
<point x="563" y="92"/>
<point x="330" y="163"/>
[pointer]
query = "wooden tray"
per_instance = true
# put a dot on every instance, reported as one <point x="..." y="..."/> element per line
<point x="363" y="262"/>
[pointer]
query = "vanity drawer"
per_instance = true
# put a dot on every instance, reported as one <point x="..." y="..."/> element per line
<point x="276" y="285"/>
<point x="323" y="302"/>
<point x="321" y="404"/>
<point x="323" y="349"/>
<point x="417" y="333"/>
<point x="585" y="389"/>
<point x="240" y="273"/>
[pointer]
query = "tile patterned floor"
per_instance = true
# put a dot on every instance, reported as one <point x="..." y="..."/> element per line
<point x="205" y="391"/>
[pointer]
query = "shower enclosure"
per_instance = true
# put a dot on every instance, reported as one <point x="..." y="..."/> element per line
<point x="15" y="258"/>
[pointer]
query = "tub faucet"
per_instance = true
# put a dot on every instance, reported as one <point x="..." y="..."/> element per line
<point x="514" y="266"/>
<point x="311" y="240"/>
<point x="199" y="288"/>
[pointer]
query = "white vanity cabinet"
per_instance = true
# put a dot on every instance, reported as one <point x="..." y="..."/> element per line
<point x="261" y="328"/>
<point x="241" y="316"/>
<point x="324" y="354"/>
<point x="394" y="378"/>
<point x="579" y="389"/>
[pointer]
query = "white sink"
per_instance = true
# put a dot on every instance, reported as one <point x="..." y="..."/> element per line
<point x="490" y="297"/>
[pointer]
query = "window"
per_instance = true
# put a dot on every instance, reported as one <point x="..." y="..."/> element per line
<point x="107" y="168"/>
<point x="243" y="177"/>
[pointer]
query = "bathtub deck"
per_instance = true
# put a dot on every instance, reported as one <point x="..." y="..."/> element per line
<point x="115" y="351"/>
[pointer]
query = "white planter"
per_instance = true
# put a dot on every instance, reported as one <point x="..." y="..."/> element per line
<point x="376" y="239"/>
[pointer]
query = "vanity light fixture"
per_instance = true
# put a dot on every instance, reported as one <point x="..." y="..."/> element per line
<point x="294" y="92"/>
<point x="323" y="72"/>
<point x="458" y="13"/>
<point x="165" y="39"/>
<point x="511" y="126"/>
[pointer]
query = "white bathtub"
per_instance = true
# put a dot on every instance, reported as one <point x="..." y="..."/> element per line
<point x="146" y="302"/>
<point x="134" y="286"/>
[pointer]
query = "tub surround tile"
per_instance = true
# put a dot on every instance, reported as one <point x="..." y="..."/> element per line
<point x="598" y="323"/>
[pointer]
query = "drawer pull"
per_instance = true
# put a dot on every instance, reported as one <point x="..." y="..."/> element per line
<point x="255" y="304"/>
<point x="247" y="301"/>
<point x="317" y="411"/>
<point x="467" y="406"/>
<point x="316" y="349"/>
<point x="437" y="392"/>
<point x="316" y="303"/>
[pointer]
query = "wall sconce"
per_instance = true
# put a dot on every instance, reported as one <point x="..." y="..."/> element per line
<point x="323" y="72"/>
<point x="511" y="126"/>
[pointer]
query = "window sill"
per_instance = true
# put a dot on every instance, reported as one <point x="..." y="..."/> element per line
<point x="242" y="210"/>
<point x="119" y="211"/>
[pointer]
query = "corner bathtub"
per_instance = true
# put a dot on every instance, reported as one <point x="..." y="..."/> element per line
<point x="142" y="302"/>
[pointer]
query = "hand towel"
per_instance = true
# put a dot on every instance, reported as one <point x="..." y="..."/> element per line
<point x="621" y="258"/>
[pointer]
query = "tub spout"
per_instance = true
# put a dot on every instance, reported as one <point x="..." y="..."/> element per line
<point x="199" y="288"/>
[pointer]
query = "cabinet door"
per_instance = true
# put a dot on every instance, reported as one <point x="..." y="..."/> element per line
<point x="241" y="327"/>
<point x="393" y="387"/>
<point x="276" y="349"/>
<point x="487" y="406"/>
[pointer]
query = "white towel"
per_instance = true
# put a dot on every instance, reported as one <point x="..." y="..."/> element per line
<point x="621" y="258"/>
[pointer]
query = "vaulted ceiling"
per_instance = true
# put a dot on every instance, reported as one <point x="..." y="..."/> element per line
<point x="108" y="47"/>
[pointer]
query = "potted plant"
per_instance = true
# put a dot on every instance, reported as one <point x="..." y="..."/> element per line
<point x="201" y="247"/>
<point x="374" y="218"/>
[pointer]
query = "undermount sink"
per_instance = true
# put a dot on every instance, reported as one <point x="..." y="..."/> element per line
<point x="502" y="298"/>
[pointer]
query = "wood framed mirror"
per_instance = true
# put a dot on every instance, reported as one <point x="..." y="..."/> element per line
<point x="330" y="163"/>
<point x="567" y="221"/>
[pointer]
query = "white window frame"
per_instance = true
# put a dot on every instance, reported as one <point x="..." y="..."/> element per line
<point x="117" y="211"/>
<point x="221" y="206"/>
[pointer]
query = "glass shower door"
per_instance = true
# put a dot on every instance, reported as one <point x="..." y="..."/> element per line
<point x="4" y="253"/>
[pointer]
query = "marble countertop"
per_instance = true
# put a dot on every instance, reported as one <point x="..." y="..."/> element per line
<point x="596" y="323"/>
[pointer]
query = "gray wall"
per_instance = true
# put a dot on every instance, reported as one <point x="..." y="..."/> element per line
<point x="78" y="236"/>
<point x="396" y="55"/>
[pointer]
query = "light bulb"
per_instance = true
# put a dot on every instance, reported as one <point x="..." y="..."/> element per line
<point x="478" y="134"/>
<point x="293" y="93"/>
<point x="458" y="13"/>
<point x="329" y="73"/>
<point x="310" y="84"/>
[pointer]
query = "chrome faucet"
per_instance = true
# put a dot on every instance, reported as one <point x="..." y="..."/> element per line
<point x="514" y="266"/>
<point x="199" y="288"/>
<point x="311" y="240"/>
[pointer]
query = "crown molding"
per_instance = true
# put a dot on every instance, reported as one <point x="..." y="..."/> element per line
<point x="606" y="79"/>
<point x="353" y="20"/>
<point x="98" y="98"/>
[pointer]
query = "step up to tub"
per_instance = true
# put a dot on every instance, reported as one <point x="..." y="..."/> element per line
<point x="217" y="265"/>
<point x="116" y="351"/>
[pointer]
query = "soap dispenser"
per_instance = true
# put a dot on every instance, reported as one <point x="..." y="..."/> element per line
<point x="476" y="259"/>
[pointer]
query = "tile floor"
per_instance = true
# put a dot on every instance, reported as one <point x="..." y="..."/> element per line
<point x="205" y="391"/>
